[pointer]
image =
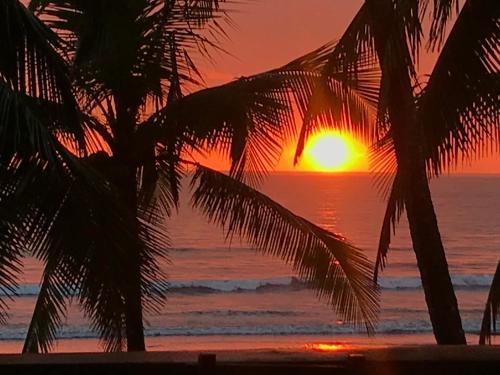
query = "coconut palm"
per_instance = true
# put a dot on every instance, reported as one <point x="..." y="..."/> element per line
<point x="492" y="310"/>
<point x="96" y="135"/>
<point x="421" y="129"/>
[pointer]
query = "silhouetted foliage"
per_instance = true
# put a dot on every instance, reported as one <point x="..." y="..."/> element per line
<point x="96" y="136"/>
<point x="421" y="129"/>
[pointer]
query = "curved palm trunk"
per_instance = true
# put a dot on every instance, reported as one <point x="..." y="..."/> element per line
<point x="429" y="250"/>
<point x="427" y="244"/>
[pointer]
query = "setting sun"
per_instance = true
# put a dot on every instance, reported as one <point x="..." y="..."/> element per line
<point x="330" y="151"/>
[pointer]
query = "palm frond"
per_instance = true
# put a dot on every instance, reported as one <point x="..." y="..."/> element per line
<point x="66" y="244"/>
<point x="25" y="184"/>
<point x="249" y="119"/>
<point x="83" y="254"/>
<point x="159" y="188"/>
<point x="31" y="68"/>
<point x="345" y="93"/>
<point x="387" y="180"/>
<point x="246" y="120"/>
<point x="12" y="246"/>
<point x="25" y="223"/>
<point x="357" y="42"/>
<point x="158" y="196"/>
<point x="492" y="311"/>
<point x="22" y="133"/>
<point x="442" y="12"/>
<point x="87" y="247"/>
<point x="155" y="243"/>
<point x="394" y="210"/>
<point x="336" y="270"/>
<point x="10" y="266"/>
<point x="460" y="108"/>
<point x="356" y="105"/>
<point x="50" y="310"/>
<point x="131" y="49"/>
<point x="198" y="12"/>
<point x="410" y="13"/>
<point x="383" y="163"/>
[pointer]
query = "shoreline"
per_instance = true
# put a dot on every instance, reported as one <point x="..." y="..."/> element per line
<point x="302" y="343"/>
<point x="398" y="353"/>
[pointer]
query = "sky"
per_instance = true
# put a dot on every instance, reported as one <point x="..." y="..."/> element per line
<point x="270" y="33"/>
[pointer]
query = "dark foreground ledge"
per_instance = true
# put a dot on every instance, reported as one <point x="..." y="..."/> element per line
<point x="426" y="360"/>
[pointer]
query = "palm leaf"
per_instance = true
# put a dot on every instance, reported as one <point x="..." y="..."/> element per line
<point x="338" y="271"/>
<point x="49" y="312"/>
<point x="388" y="182"/>
<point x="460" y="107"/>
<point x="394" y="210"/>
<point x="409" y="14"/>
<point x="442" y="12"/>
<point x="12" y="246"/>
<point x="345" y="94"/>
<point x="492" y="310"/>
<point x="24" y="182"/>
<point x="131" y="49"/>
<point x="65" y="242"/>
<point x="159" y="188"/>
<point x="22" y="133"/>
<point x="249" y="119"/>
<point x="36" y="109"/>
<point x="85" y="254"/>
<point x="30" y="66"/>
<point x="246" y="120"/>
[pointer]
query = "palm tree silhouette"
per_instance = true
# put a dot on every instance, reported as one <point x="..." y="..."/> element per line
<point x="96" y="135"/>
<point x="421" y="130"/>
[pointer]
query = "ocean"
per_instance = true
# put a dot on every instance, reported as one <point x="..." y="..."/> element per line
<point x="226" y="296"/>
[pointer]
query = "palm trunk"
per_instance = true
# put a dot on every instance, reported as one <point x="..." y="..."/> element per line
<point x="125" y="151"/>
<point x="427" y="244"/>
<point x="133" y="295"/>
<point x="431" y="259"/>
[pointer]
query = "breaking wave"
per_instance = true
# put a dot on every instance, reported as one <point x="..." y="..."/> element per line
<point x="279" y="284"/>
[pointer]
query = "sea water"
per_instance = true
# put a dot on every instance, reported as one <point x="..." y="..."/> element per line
<point x="226" y="295"/>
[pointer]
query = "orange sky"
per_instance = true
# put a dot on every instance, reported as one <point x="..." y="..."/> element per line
<point x="271" y="33"/>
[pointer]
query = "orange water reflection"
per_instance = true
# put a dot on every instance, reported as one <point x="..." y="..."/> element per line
<point x="328" y="347"/>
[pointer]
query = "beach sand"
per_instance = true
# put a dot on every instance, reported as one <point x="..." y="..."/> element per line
<point x="428" y="359"/>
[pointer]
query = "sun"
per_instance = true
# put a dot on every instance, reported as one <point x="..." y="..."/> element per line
<point x="330" y="151"/>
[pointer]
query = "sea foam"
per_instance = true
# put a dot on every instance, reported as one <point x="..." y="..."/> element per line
<point x="279" y="283"/>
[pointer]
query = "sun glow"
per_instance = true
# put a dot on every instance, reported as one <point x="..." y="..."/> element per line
<point x="330" y="151"/>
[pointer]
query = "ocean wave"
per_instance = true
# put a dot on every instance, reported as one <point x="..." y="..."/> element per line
<point x="205" y="251"/>
<point x="241" y="313"/>
<point x="459" y="282"/>
<point x="232" y="286"/>
<point x="392" y="327"/>
<point x="279" y="284"/>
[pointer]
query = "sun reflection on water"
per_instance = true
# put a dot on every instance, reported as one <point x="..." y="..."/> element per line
<point x="328" y="347"/>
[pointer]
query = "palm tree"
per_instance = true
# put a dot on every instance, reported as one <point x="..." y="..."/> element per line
<point x="421" y="131"/>
<point x="96" y="135"/>
<point x="492" y="310"/>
